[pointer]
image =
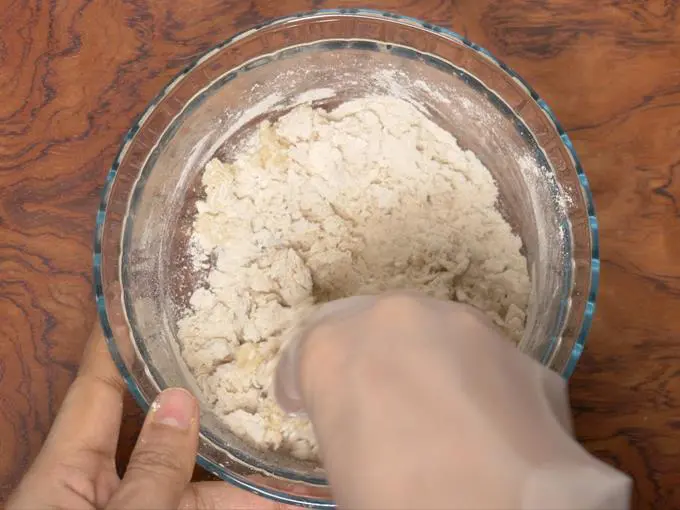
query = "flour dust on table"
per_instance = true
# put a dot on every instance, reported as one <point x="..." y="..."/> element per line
<point x="368" y="197"/>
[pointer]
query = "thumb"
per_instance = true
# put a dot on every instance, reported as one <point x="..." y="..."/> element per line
<point x="163" y="459"/>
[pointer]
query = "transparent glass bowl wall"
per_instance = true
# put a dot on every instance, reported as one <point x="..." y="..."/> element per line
<point x="142" y="272"/>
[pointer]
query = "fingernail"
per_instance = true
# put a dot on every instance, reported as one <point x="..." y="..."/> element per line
<point x="175" y="407"/>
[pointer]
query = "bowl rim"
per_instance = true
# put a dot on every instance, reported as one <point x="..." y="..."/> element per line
<point x="589" y="308"/>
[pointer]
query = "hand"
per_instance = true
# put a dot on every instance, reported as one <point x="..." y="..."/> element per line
<point x="420" y="403"/>
<point x="76" y="468"/>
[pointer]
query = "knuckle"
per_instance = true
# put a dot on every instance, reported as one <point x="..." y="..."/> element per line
<point x="321" y="333"/>
<point x="156" y="460"/>
<point x="399" y="306"/>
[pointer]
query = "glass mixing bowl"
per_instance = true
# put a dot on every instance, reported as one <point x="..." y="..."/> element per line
<point x="141" y="273"/>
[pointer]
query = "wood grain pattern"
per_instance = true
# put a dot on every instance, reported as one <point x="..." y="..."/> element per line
<point x="74" y="74"/>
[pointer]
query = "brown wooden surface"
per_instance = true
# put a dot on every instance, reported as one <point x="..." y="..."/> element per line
<point x="73" y="75"/>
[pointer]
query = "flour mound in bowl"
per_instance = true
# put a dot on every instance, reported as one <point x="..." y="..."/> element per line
<point x="320" y="205"/>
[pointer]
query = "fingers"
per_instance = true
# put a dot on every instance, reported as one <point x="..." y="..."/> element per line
<point x="89" y="418"/>
<point x="221" y="495"/>
<point x="321" y="322"/>
<point x="163" y="459"/>
<point x="80" y="449"/>
<point x="327" y="335"/>
<point x="286" y="379"/>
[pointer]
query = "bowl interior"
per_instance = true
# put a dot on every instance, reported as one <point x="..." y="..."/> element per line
<point x="146" y="272"/>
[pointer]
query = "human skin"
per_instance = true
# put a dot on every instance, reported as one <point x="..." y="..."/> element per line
<point x="416" y="403"/>
<point x="76" y="470"/>
<point x="420" y="403"/>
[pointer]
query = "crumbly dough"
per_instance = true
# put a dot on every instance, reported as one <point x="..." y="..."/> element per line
<point x="368" y="197"/>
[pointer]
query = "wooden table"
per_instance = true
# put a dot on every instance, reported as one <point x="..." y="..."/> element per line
<point x="74" y="74"/>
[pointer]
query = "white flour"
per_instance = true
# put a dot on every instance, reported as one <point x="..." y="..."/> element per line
<point x="369" y="197"/>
